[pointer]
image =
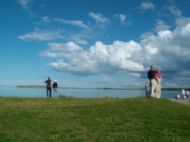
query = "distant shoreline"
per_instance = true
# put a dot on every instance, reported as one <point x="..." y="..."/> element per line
<point x="103" y="88"/>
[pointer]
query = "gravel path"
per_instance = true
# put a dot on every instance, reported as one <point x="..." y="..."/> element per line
<point x="182" y="101"/>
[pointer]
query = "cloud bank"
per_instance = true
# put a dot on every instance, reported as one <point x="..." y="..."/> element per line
<point x="166" y="47"/>
<point x="169" y="49"/>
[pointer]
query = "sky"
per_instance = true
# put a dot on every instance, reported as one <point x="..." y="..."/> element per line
<point x="94" y="43"/>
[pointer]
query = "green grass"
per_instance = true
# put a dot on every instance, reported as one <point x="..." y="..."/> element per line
<point x="93" y="120"/>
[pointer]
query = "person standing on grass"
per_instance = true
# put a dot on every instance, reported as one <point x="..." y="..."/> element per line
<point x="48" y="87"/>
<point x="55" y="86"/>
<point x="158" y="84"/>
<point x="147" y="89"/>
<point x="153" y="83"/>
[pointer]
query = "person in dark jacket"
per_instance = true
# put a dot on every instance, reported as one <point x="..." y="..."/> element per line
<point x="48" y="87"/>
<point x="55" y="86"/>
<point x="152" y="79"/>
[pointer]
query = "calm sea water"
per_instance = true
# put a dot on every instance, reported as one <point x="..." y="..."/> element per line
<point x="80" y="93"/>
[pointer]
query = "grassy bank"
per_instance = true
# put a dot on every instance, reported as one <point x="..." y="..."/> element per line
<point x="93" y="120"/>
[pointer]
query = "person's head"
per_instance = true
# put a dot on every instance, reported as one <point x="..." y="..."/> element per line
<point x="152" y="67"/>
<point x="49" y="78"/>
<point x="55" y="80"/>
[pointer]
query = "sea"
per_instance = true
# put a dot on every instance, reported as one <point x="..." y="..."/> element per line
<point x="10" y="91"/>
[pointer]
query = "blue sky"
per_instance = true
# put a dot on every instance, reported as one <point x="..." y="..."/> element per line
<point x="94" y="43"/>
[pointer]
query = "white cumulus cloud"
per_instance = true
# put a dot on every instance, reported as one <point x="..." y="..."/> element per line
<point x="73" y="58"/>
<point x="169" y="49"/>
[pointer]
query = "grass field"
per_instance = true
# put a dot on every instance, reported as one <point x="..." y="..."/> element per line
<point x="93" y="120"/>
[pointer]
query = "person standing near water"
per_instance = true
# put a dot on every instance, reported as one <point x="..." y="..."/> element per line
<point x="48" y="87"/>
<point x="147" y="89"/>
<point x="152" y="79"/>
<point x="158" y="83"/>
<point x="55" y="86"/>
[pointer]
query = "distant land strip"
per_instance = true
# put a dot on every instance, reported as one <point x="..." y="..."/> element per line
<point x="108" y="88"/>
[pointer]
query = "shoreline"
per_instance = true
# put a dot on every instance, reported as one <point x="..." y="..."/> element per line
<point x="103" y="88"/>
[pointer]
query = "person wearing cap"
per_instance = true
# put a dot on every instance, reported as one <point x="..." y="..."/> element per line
<point x="48" y="87"/>
<point x="55" y="86"/>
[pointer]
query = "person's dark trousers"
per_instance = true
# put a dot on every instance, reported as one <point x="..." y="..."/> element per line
<point x="48" y="92"/>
